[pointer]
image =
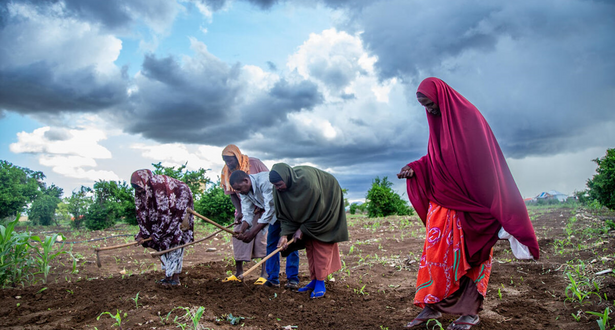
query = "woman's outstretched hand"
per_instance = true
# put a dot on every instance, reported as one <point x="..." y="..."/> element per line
<point x="405" y="173"/>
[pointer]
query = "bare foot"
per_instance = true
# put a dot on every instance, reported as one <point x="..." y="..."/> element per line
<point x="425" y="315"/>
<point x="464" y="322"/>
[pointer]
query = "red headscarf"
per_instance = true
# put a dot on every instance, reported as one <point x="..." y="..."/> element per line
<point x="465" y="170"/>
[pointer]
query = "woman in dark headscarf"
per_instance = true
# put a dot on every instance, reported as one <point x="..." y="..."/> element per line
<point x="465" y="194"/>
<point x="162" y="204"/>
<point x="309" y="204"/>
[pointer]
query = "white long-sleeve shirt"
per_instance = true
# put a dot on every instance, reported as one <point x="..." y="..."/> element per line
<point x="260" y="196"/>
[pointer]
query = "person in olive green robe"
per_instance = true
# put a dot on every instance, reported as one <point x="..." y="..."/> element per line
<point x="309" y="204"/>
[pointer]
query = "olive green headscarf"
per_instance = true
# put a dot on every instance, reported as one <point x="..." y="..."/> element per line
<point x="312" y="202"/>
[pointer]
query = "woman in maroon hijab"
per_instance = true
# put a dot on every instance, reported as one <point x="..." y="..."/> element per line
<point x="162" y="203"/>
<point x="465" y="195"/>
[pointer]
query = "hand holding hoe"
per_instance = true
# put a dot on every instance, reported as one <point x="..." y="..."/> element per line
<point x="115" y="247"/>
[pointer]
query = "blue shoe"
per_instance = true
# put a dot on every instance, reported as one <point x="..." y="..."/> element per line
<point x="319" y="290"/>
<point x="308" y="287"/>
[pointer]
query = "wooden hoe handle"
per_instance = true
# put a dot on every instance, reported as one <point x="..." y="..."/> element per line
<point x="264" y="259"/>
<point x="120" y="246"/>
<point x="212" y="222"/>
<point x="157" y="254"/>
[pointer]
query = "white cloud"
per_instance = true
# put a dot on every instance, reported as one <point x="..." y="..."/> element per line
<point x="67" y="151"/>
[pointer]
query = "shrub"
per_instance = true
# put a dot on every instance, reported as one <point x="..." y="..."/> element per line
<point x="215" y="205"/>
<point x="382" y="201"/>
<point x="602" y="185"/>
<point x="43" y="209"/>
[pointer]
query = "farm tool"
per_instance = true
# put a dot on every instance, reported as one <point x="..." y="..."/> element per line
<point x="115" y="247"/>
<point x="212" y="222"/>
<point x="242" y="276"/>
<point x="157" y="254"/>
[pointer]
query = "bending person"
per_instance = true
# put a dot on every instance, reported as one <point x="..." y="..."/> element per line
<point x="465" y="195"/>
<point x="234" y="160"/>
<point x="161" y="204"/>
<point x="257" y="194"/>
<point x="309" y="204"/>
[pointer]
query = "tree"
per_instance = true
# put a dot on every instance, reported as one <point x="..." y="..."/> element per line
<point x="602" y="185"/>
<point x="215" y="205"/>
<point x="112" y="200"/>
<point x="18" y="187"/>
<point x="78" y="205"/>
<point x="196" y="180"/>
<point x="345" y="192"/>
<point x="382" y="201"/>
<point x="43" y="209"/>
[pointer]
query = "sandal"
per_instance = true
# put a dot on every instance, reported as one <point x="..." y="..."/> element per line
<point x="463" y="325"/>
<point x="260" y="281"/>
<point x="231" y="278"/>
<point x="415" y="322"/>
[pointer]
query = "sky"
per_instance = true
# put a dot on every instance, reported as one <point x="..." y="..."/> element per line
<point x="93" y="90"/>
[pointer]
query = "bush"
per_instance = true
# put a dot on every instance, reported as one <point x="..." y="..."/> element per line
<point x="100" y="216"/>
<point x="43" y="209"/>
<point x="602" y="185"/>
<point x="353" y="208"/>
<point x="382" y="201"/>
<point x="215" y="205"/>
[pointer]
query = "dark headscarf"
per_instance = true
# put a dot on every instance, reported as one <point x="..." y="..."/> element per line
<point x="465" y="170"/>
<point x="161" y="206"/>
<point x="313" y="202"/>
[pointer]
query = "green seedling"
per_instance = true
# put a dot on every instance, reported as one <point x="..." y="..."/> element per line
<point x="603" y="321"/>
<point x="437" y="324"/>
<point x="117" y="317"/>
<point x="45" y="254"/>
<point x="194" y="315"/>
<point x="136" y="300"/>
<point x="234" y="320"/>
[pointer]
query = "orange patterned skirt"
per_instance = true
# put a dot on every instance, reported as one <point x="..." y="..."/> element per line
<point x="444" y="262"/>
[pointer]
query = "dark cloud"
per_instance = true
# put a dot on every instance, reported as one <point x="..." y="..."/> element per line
<point x="113" y="14"/>
<point x="203" y="102"/>
<point x="39" y="88"/>
<point x="271" y="66"/>
<point x="57" y="134"/>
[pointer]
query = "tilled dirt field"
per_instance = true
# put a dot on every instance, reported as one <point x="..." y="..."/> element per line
<point x="374" y="290"/>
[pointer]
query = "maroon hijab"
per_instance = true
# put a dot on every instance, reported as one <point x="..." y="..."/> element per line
<point x="465" y="170"/>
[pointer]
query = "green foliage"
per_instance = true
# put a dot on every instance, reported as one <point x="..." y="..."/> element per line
<point x="382" y="201"/>
<point x="353" y="208"/>
<point x="602" y="185"/>
<point x="78" y="205"/>
<point x="112" y="200"/>
<point x="46" y="253"/>
<point x="196" y="180"/>
<point x="15" y="261"/>
<point x="117" y="317"/>
<point x="43" y="209"/>
<point x="18" y="187"/>
<point x="215" y="205"/>
<point x="345" y="192"/>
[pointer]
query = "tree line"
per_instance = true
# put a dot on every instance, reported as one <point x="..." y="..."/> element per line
<point x="107" y="202"/>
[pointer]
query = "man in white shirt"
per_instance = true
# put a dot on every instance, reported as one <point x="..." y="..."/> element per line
<point x="256" y="192"/>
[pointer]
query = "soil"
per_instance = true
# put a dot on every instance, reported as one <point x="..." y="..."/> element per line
<point x="374" y="290"/>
